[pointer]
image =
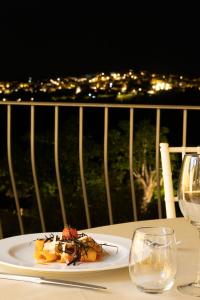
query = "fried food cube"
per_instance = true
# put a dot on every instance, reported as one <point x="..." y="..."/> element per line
<point x="89" y="255"/>
<point x="38" y="254"/>
<point x="39" y="244"/>
<point x="50" y="256"/>
<point x="92" y="244"/>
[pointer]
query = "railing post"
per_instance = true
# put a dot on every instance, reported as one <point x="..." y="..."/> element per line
<point x="184" y="135"/>
<point x="82" y="167"/>
<point x="131" y="164"/>
<point x="106" y="165"/>
<point x="11" y="171"/>
<point x="35" y="180"/>
<point x="158" y="161"/>
<point x="56" y="155"/>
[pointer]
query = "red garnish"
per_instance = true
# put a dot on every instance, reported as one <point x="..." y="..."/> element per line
<point x="69" y="233"/>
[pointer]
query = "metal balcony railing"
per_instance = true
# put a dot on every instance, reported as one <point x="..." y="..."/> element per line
<point x="160" y="110"/>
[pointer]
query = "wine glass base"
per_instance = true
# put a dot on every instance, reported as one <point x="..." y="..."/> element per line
<point x="192" y="289"/>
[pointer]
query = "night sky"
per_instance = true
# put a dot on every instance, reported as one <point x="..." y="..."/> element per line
<point x="77" y="38"/>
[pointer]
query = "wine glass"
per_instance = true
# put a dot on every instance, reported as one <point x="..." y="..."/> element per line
<point x="189" y="202"/>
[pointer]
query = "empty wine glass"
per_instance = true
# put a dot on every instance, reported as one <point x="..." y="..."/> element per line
<point x="152" y="261"/>
<point x="189" y="202"/>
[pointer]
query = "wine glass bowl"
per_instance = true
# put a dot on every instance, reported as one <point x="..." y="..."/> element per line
<point x="189" y="202"/>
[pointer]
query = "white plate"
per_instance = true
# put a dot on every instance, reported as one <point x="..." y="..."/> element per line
<point x="18" y="251"/>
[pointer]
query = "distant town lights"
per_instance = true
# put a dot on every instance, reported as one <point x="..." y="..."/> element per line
<point x="99" y="85"/>
<point x="78" y="89"/>
<point x="151" y="92"/>
<point x="54" y="82"/>
<point x="161" y="85"/>
<point x="124" y="88"/>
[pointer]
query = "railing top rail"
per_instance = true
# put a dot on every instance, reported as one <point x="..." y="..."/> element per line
<point x="102" y="105"/>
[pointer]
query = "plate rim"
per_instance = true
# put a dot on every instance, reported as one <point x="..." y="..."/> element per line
<point x="126" y="244"/>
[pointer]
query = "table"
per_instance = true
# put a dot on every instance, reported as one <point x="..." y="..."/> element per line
<point x="117" y="281"/>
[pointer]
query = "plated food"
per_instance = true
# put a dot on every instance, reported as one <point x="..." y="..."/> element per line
<point x="19" y="251"/>
<point x="69" y="247"/>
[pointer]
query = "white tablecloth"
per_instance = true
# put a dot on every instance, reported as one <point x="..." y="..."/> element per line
<point x="117" y="281"/>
